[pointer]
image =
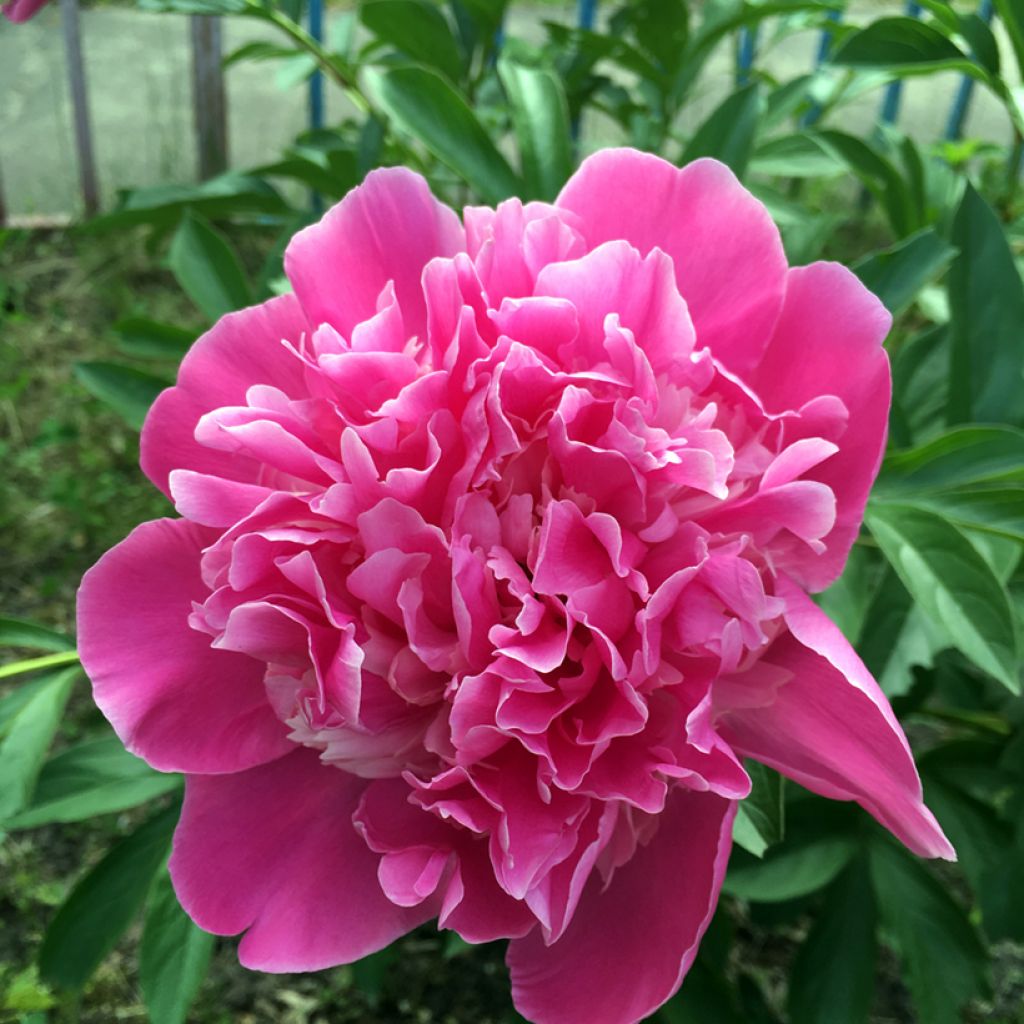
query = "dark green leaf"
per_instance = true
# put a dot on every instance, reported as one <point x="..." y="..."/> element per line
<point x="900" y="42"/>
<point x="961" y="457"/>
<point x="944" y="960"/>
<point x="790" y="869"/>
<point x="897" y="274"/>
<point x="129" y="392"/>
<point x="987" y="366"/>
<point x="20" y="633"/>
<point x="103" y="904"/>
<point x="92" y="778"/>
<point x="833" y="976"/>
<point x="207" y="268"/>
<point x="418" y="30"/>
<point x="728" y="133"/>
<point x="147" y="339"/>
<point x="425" y="106"/>
<point x="952" y="583"/>
<point x="706" y="997"/>
<point x="29" y="720"/>
<point x="540" y="114"/>
<point x="173" y="956"/>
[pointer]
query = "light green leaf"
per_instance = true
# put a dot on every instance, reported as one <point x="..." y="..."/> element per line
<point x="790" y="870"/>
<point x="425" y="106"/>
<point x="95" y="777"/>
<point x="952" y="583"/>
<point x="21" y="633"/>
<point x="540" y="114"/>
<point x="173" y="956"/>
<point x="796" y="156"/>
<point x="103" y="904"/>
<point x="207" y="268"/>
<point x="761" y="818"/>
<point x="29" y="718"/>
<point x="129" y="392"/>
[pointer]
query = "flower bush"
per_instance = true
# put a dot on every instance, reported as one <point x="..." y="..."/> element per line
<point x="493" y="564"/>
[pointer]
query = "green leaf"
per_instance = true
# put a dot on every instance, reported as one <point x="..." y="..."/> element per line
<point x="706" y="997"/>
<point x="259" y="50"/>
<point x="95" y="777"/>
<point x="21" y="633"/>
<point x="832" y="980"/>
<point x="103" y="904"/>
<point x="425" y="106"/>
<point x="148" y="339"/>
<point x="761" y="818"/>
<point x="207" y="268"/>
<point x="1011" y="14"/>
<point x="796" y="156"/>
<point x="417" y="29"/>
<point x="899" y="43"/>
<point x="728" y="133"/>
<point x="540" y="114"/>
<point x="790" y="870"/>
<point x="129" y="392"/>
<point x="944" y="959"/>
<point x="173" y="956"/>
<point x="897" y="274"/>
<point x="29" y="718"/>
<point x="961" y="457"/>
<point x="952" y="583"/>
<point x="987" y="365"/>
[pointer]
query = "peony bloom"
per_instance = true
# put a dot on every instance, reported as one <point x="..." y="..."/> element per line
<point x="21" y="10"/>
<point x="492" y="564"/>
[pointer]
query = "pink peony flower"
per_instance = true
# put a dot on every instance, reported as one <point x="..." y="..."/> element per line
<point x="18" y="11"/>
<point x="493" y="563"/>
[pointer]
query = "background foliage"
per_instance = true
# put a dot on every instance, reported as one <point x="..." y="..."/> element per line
<point x="825" y="920"/>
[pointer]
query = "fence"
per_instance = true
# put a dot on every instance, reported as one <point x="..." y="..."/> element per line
<point x="210" y="108"/>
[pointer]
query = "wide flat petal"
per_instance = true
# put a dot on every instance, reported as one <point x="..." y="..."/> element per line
<point x="173" y="700"/>
<point x="828" y="341"/>
<point x="828" y="725"/>
<point x="273" y="852"/>
<point x="728" y="256"/>
<point x="240" y="350"/>
<point x="387" y="229"/>
<point x="628" y="947"/>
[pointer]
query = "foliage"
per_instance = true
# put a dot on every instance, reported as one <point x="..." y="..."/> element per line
<point x="934" y="591"/>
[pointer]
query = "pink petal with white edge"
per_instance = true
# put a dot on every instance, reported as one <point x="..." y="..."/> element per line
<point x="728" y="256"/>
<point x="387" y="229"/>
<point x="173" y="700"/>
<point x="828" y="726"/>
<point x="828" y="341"/>
<point x="240" y="350"/>
<point x="629" y="946"/>
<point x="273" y="852"/>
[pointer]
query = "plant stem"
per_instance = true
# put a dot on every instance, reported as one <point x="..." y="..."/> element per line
<point x="17" y="668"/>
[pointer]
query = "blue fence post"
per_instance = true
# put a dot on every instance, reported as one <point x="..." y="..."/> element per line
<point x="746" y="52"/>
<point x="962" y="101"/>
<point x="316" y="81"/>
<point x="587" y="14"/>
<point x="894" y="91"/>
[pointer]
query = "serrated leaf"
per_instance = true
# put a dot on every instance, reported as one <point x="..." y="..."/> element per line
<point x="207" y="268"/>
<point x="104" y="903"/>
<point x="129" y="392"/>
<point x="173" y="956"/>
<point x="952" y="583"/>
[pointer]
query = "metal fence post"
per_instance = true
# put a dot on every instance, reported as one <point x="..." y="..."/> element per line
<point x="71" y="27"/>
<point x="316" y="80"/>
<point x="209" y="107"/>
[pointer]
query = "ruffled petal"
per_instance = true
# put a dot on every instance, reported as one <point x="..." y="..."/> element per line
<point x="628" y="946"/>
<point x="240" y="350"/>
<point x="828" y="341"/>
<point x="387" y="229"/>
<point x="172" y="698"/>
<point x="811" y="710"/>
<point x="728" y="256"/>
<point x="273" y="852"/>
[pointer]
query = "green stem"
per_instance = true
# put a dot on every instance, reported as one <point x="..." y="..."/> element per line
<point x="17" y="668"/>
<point x="1013" y="168"/>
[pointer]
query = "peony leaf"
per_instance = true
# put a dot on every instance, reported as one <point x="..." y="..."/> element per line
<point x="148" y="339"/>
<point x="173" y="956"/>
<point x="207" y="268"/>
<point x="902" y="43"/>
<point x="102" y="905"/>
<point x="952" y="583"/>
<point x="760" y="819"/>
<point x="898" y="273"/>
<point x="129" y="392"/>
<point x="425" y="106"/>
<point x="418" y="29"/>
<point x="728" y="133"/>
<point x="790" y="870"/>
<point x="21" y="633"/>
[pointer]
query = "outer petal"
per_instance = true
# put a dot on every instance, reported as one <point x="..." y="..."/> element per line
<point x="728" y="256"/>
<point x="829" y="726"/>
<point x="628" y="947"/>
<point x="387" y="229"/>
<point x="240" y="350"/>
<point x="172" y="698"/>
<point x="828" y="341"/>
<point x="273" y="850"/>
